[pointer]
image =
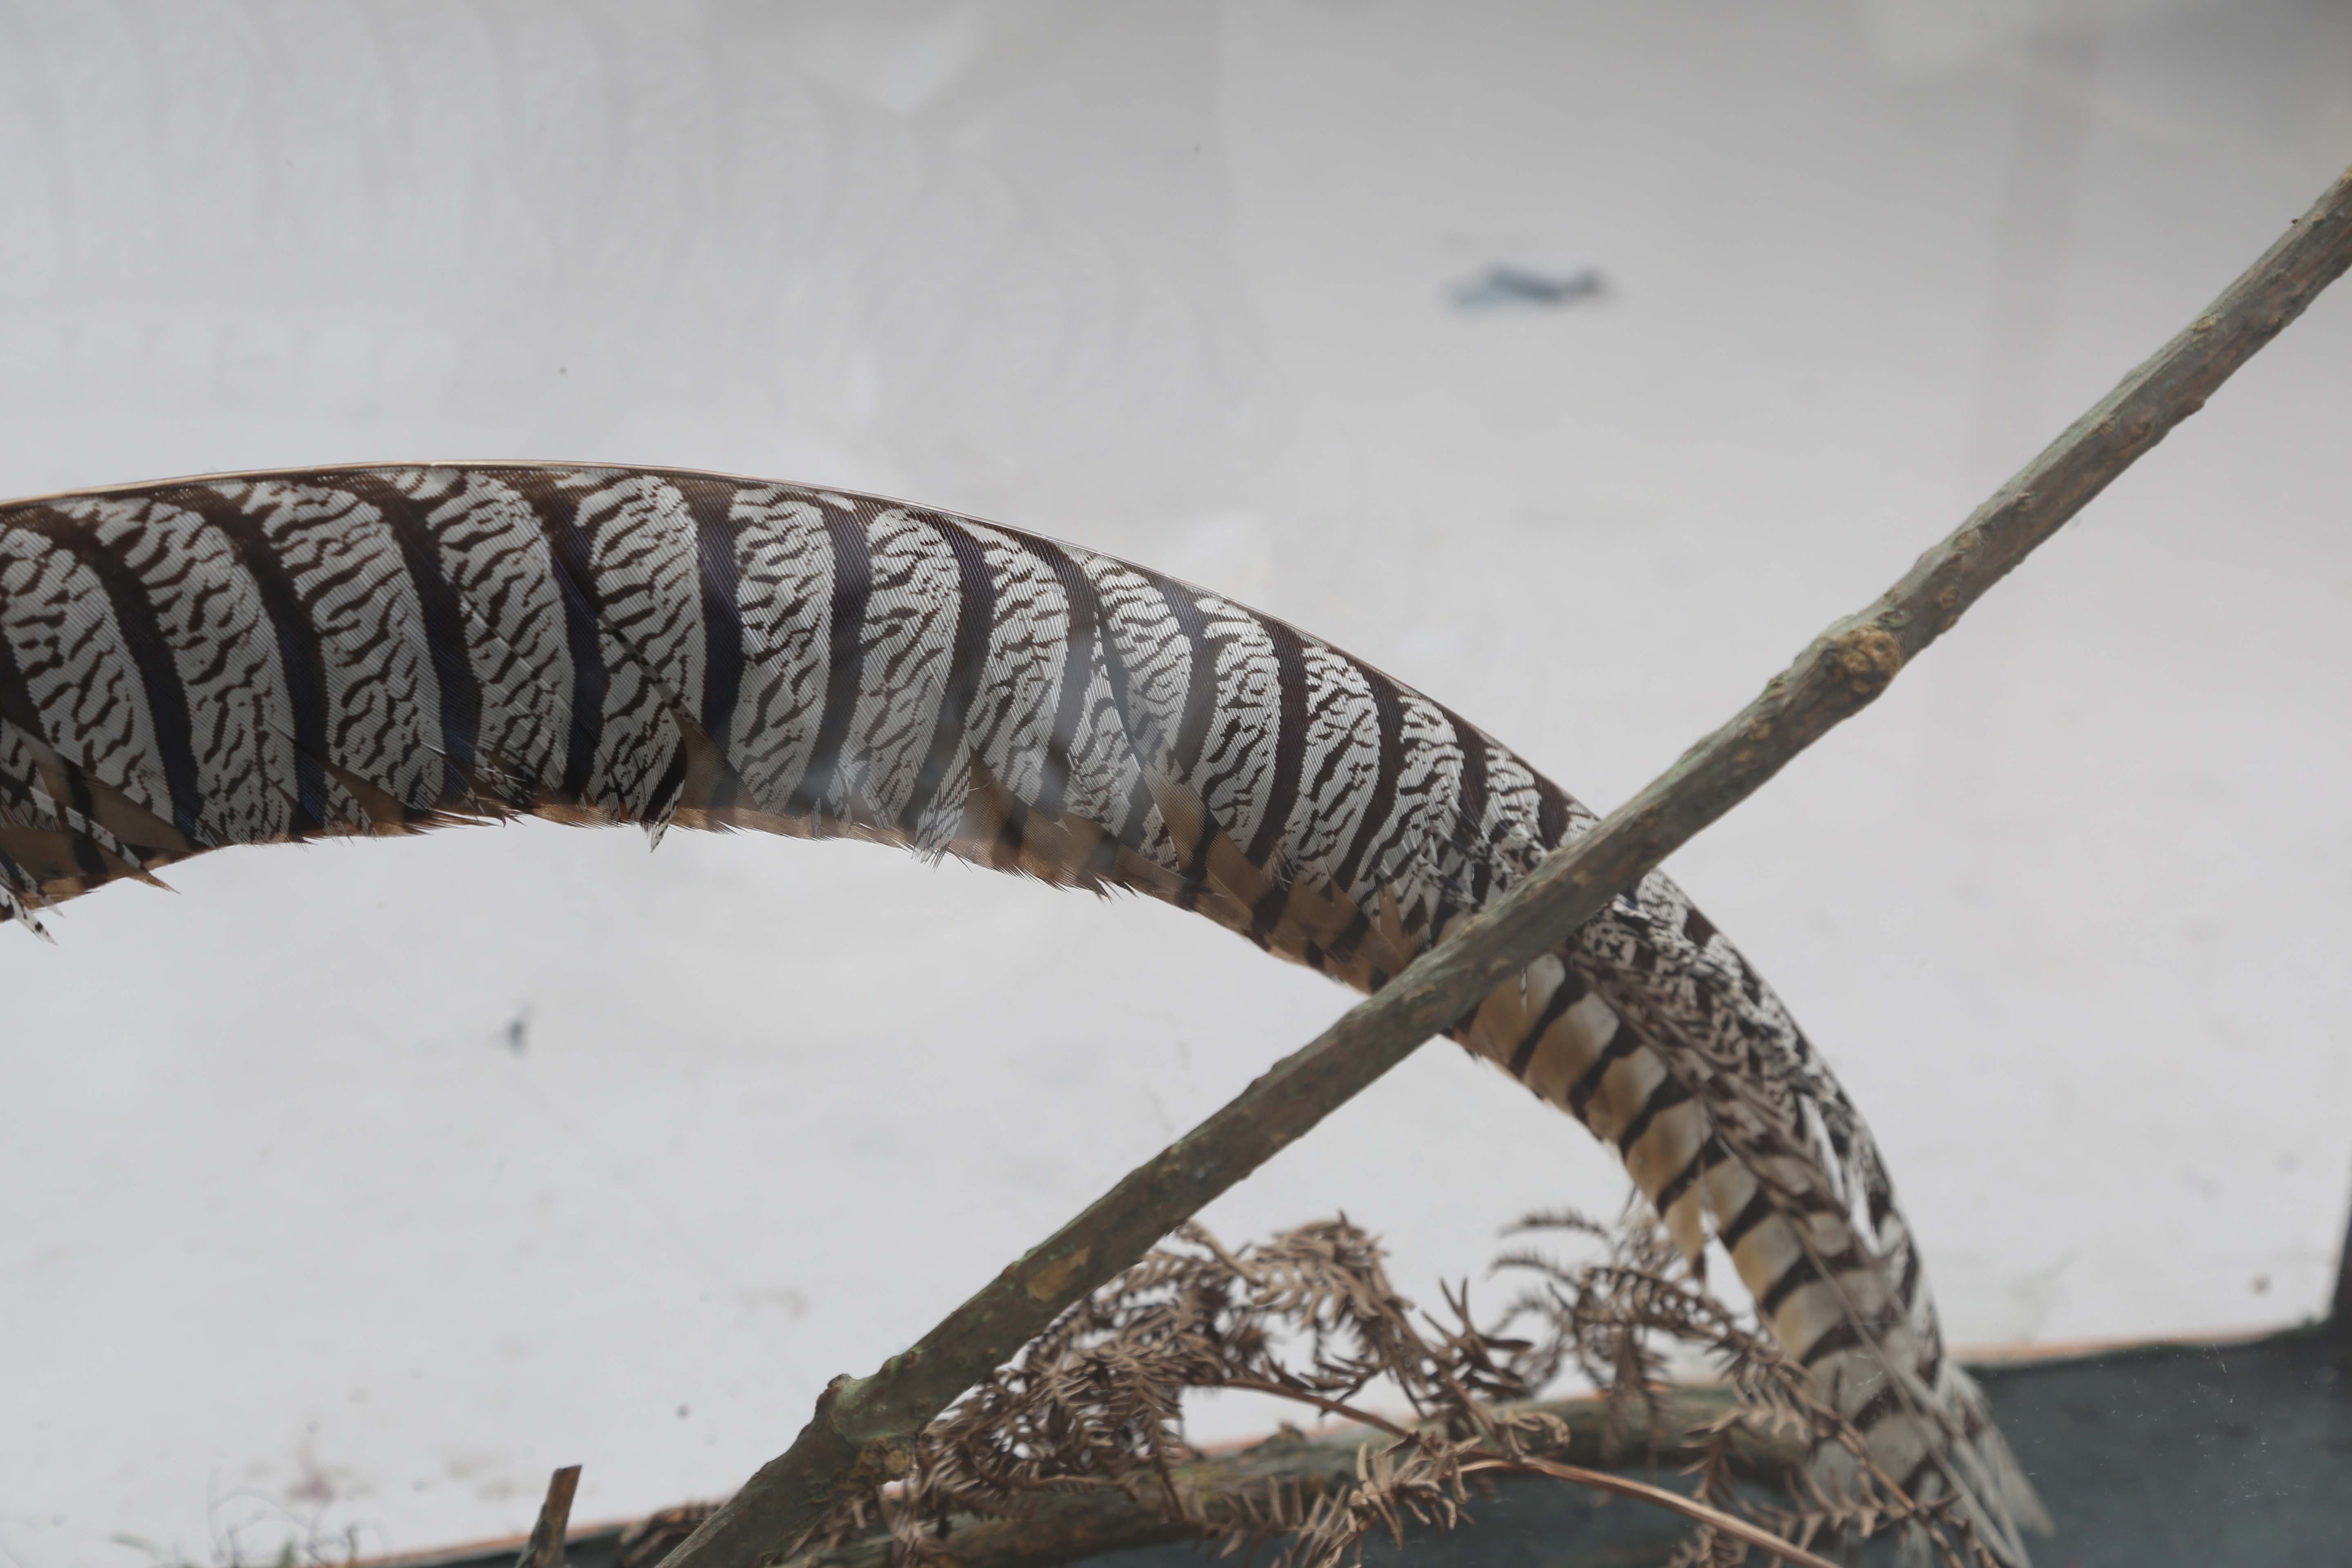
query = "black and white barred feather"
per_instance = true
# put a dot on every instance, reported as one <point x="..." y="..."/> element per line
<point x="267" y="658"/>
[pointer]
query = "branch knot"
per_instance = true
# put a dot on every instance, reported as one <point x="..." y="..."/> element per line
<point x="1868" y="657"/>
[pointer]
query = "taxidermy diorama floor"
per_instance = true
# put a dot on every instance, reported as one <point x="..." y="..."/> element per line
<point x="2150" y="1456"/>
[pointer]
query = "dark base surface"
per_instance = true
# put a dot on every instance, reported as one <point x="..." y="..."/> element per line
<point x="2177" y="1454"/>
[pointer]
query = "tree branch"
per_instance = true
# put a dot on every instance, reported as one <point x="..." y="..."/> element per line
<point x="545" y="1548"/>
<point x="863" y="1430"/>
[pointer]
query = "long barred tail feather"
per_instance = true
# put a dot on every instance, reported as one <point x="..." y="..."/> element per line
<point x="266" y="658"/>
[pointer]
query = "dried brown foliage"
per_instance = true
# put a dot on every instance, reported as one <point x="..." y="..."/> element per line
<point x="1095" y="1406"/>
<point x="1608" y="1319"/>
<point x="1096" y="1402"/>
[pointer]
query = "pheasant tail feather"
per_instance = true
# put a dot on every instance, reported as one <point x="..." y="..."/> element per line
<point x="269" y="658"/>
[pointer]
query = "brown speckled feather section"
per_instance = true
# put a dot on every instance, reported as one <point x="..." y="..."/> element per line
<point x="264" y="657"/>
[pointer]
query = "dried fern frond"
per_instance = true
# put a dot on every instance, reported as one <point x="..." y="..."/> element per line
<point x="1095" y="1404"/>
<point x="1605" y="1317"/>
<point x="1078" y="1445"/>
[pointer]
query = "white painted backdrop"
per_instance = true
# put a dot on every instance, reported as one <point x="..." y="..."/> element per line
<point x="289" y="1233"/>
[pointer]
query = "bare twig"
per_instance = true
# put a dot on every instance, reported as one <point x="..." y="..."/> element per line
<point x="863" y="1430"/>
<point x="1339" y="1407"/>
<point x="545" y="1548"/>
<point x="1626" y="1486"/>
